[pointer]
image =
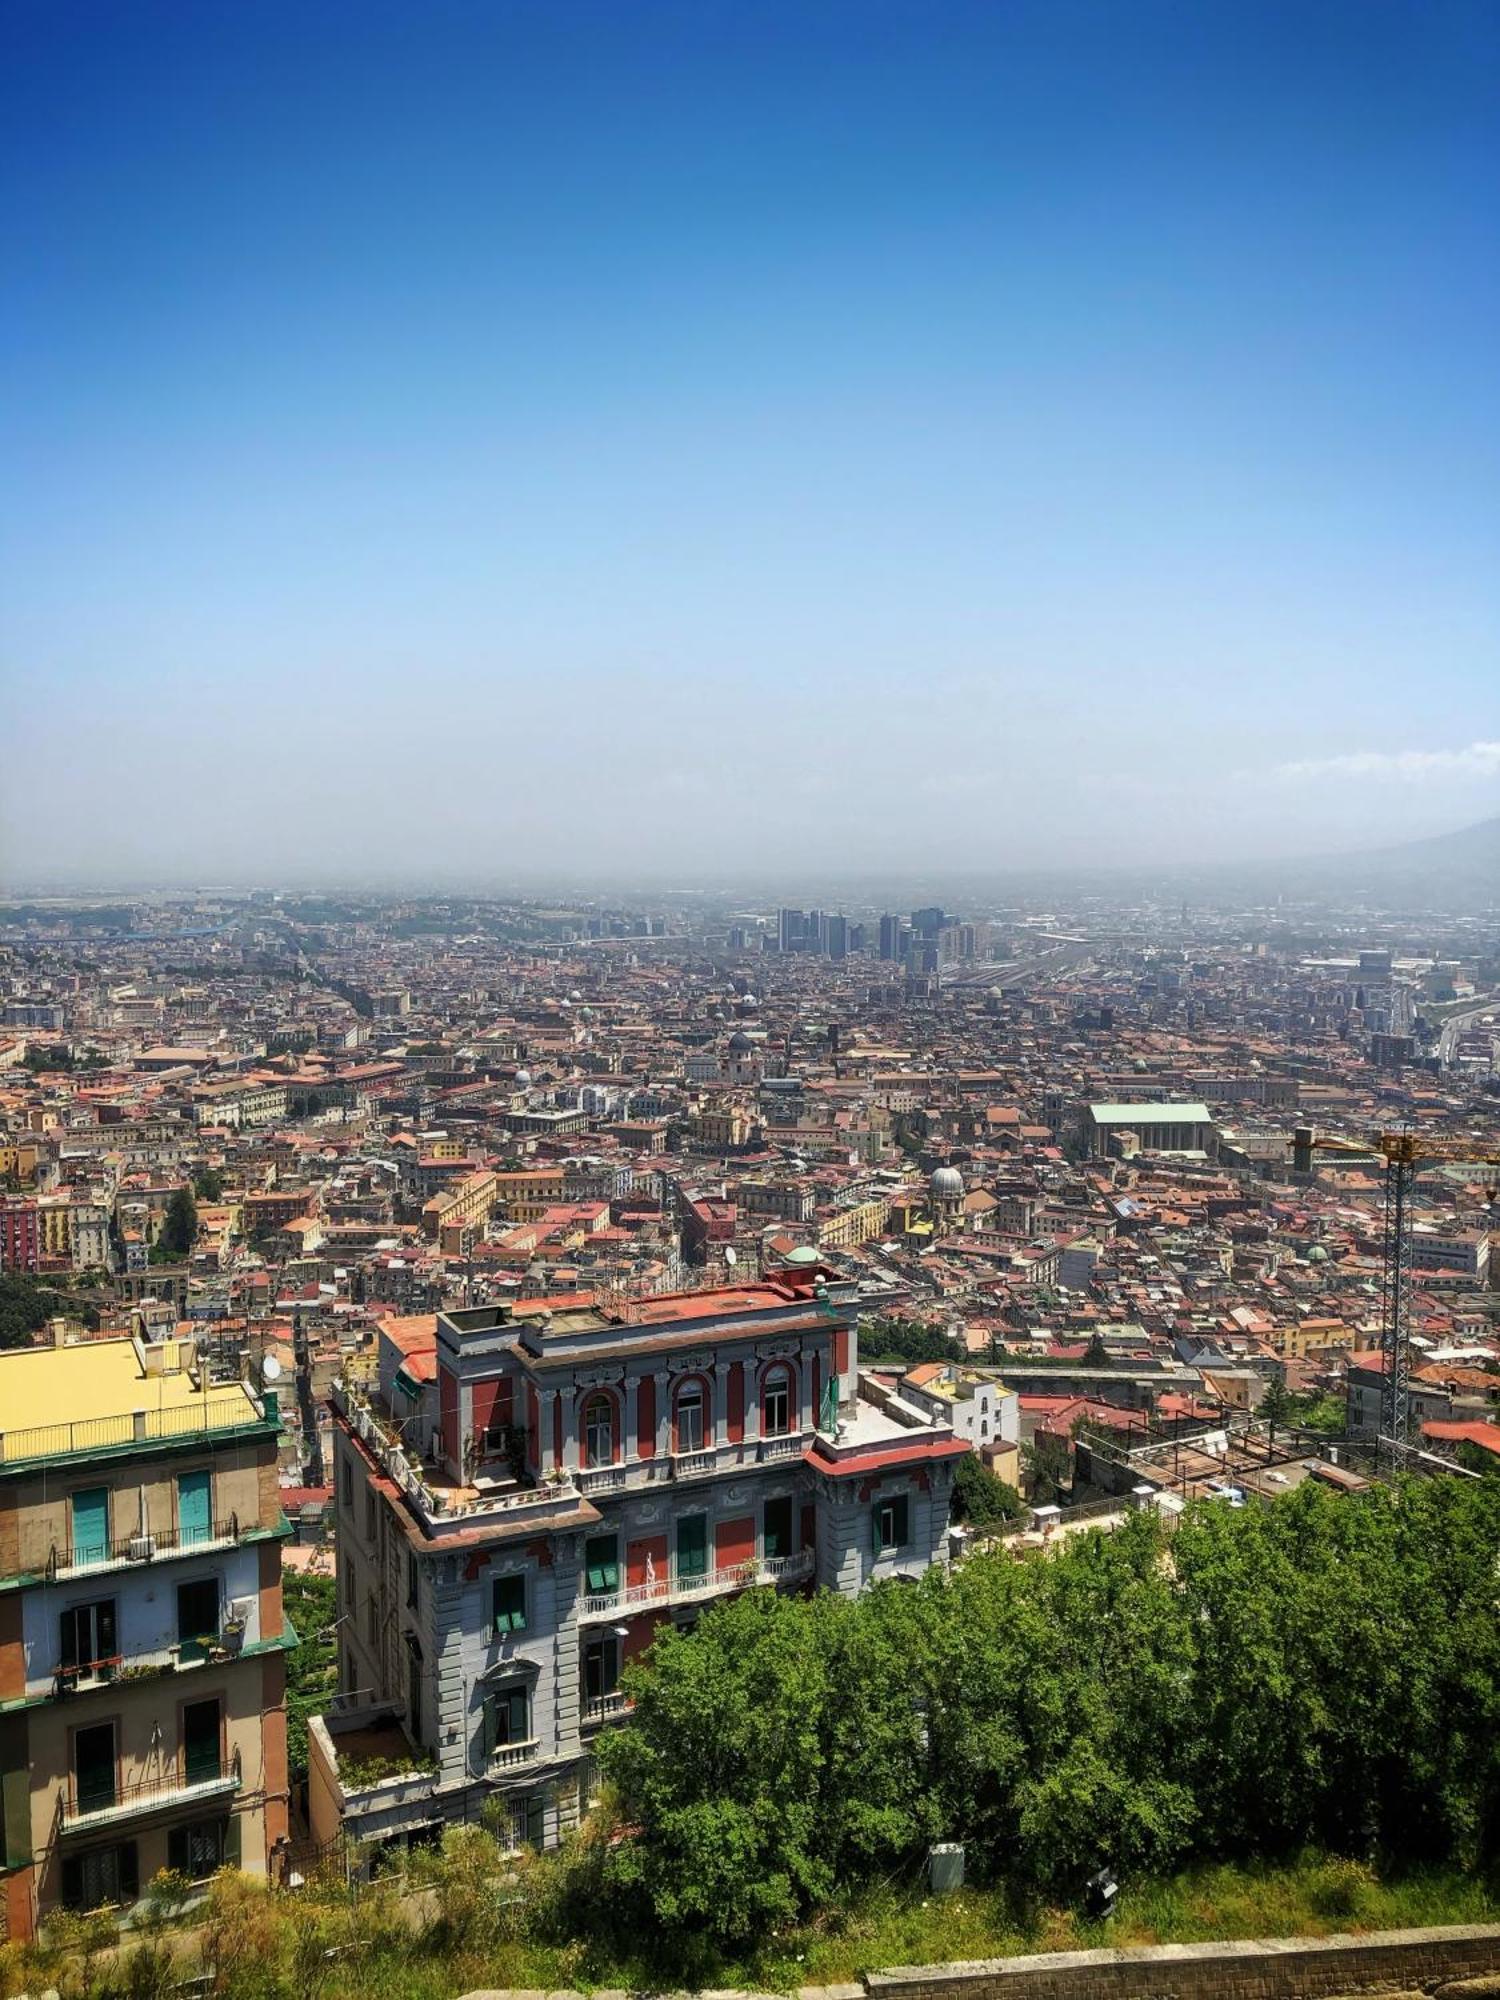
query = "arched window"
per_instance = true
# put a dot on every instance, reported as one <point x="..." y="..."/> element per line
<point x="599" y="1431"/>
<point x="776" y="1403"/>
<point x="691" y="1417"/>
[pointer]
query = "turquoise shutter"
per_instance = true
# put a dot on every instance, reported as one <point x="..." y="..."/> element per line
<point x="91" y="1525"/>
<point x="194" y="1508"/>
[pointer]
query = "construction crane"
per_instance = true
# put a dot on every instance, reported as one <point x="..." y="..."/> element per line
<point x="1403" y="1153"/>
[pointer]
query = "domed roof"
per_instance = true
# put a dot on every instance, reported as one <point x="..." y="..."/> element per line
<point x="740" y="1042"/>
<point x="946" y="1183"/>
<point x="523" y="1079"/>
<point x="803" y="1254"/>
<point x="1317" y="1254"/>
<point x="748" y="1003"/>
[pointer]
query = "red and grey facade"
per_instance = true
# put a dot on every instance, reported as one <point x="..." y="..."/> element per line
<point x="566" y="1482"/>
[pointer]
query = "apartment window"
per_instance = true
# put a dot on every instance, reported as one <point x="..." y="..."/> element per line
<point x="508" y="1716"/>
<point x="599" y="1431"/>
<point x="346" y="1484"/>
<point x="692" y="1546"/>
<point x="202" y="1741"/>
<point x="94" y="1767"/>
<point x="509" y="1605"/>
<point x="690" y="1417"/>
<point x="91" y="1525"/>
<point x="601" y="1564"/>
<point x="102" y="1875"/>
<point x="198" y="1612"/>
<point x="411" y="1581"/>
<point x="369" y="1515"/>
<point x="776" y="1403"/>
<point x="198" y="1849"/>
<point x="88" y="1635"/>
<point x="601" y="1667"/>
<point x="372" y="1620"/>
<point x="892" y="1524"/>
<point x="777" y="1529"/>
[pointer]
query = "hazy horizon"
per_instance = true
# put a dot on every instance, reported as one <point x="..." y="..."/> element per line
<point x="725" y="442"/>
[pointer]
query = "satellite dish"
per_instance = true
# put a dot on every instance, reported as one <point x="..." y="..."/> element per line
<point x="731" y="1258"/>
<point x="270" y="1369"/>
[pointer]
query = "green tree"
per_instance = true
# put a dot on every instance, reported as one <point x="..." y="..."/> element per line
<point x="1048" y="1460"/>
<point x="312" y="1669"/>
<point x="179" y="1231"/>
<point x="981" y="1498"/>
<point x="1275" y="1405"/>
<point x="208" y="1184"/>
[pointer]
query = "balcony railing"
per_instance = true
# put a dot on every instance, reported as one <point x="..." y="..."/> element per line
<point x="140" y="1548"/>
<point x="601" y="1707"/>
<point x="602" y="1478"/>
<point x="773" y="1448"/>
<point x="510" y="1756"/>
<point x="90" y="1803"/>
<point x="222" y="1410"/>
<point x="694" y="1464"/>
<point x="685" y="1587"/>
<point x="122" y="1668"/>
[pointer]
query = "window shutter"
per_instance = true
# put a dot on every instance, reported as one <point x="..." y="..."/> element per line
<point x="232" y="1841"/>
<point x="72" y="1881"/>
<point x="130" y="1873"/>
<point x="107" y="1629"/>
<point x="489" y="1731"/>
<point x="645" y="1418"/>
<point x="177" y="1850"/>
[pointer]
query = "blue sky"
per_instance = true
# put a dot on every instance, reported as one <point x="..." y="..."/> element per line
<point x="450" y="440"/>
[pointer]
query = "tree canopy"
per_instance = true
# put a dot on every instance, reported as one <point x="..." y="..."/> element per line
<point x="179" y="1231"/>
<point x="1322" y="1671"/>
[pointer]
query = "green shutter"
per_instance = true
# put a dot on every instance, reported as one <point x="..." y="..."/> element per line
<point x="232" y="1841"/>
<point x="692" y="1546"/>
<point x="510" y="1604"/>
<point x="601" y="1561"/>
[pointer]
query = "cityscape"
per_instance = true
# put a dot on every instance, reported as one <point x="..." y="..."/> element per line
<point x="749" y="1000"/>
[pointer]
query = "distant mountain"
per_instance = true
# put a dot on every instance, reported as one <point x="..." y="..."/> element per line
<point x="1446" y="872"/>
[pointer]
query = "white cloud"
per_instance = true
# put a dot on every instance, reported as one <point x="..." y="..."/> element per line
<point x="1413" y="767"/>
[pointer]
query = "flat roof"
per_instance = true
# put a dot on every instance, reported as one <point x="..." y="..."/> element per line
<point x="1152" y="1114"/>
<point x="60" y="1400"/>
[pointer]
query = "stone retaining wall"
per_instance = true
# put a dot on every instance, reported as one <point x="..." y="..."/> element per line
<point x="1393" y="1962"/>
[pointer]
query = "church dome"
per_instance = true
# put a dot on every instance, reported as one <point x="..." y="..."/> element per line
<point x="740" y="1043"/>
<point x="947" y="1184"/>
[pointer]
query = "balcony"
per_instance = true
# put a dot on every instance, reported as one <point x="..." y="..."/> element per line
<point x="86" y="1807"/>
<point x="772" y="1450"/>
<point x="695" y="1464"/>
<point x="691" y="1588"/>
<point x="212" y="1649"/>
<point x="605" y="1708"/>
<point x="510" y="1757"/>
<point x="136" y="1549"/>
<point x="602" y="1478"/>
